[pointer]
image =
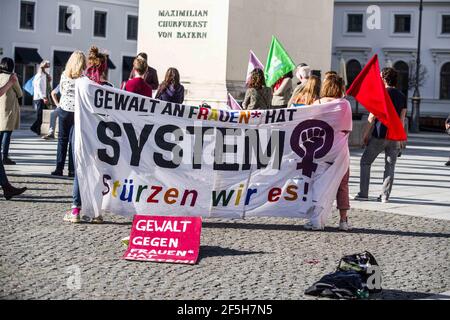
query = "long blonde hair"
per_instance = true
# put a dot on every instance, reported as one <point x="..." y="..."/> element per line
<point x="75" y="65"/>
<point x="310" y="91"/>
<point x="333" y="87"/>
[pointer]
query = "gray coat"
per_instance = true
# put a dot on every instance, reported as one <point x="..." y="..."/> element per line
<point x="258" y="99"/>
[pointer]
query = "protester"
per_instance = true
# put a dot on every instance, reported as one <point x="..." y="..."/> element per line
<point x="8" y="190"/>
<point x="74" y="70"/>
<point x="138" y="84"/>
<point x="9" y="109"/>
<point x="257" y="96"/>
<point x="309" y="94"/>
<point x="170" y="89"/>
<point x="378" y="142"/>
<point x="97" y="72"/>
<point x="54" y="114"/>
<point x="282" y="92"/>
<point x="104" y="79"/>
<point x="333" y="88"/>
<point x="447" y="128"/>
<point x="302" y="73"/>
<point x="150" y="76"/>
<point x="40" y="100"/>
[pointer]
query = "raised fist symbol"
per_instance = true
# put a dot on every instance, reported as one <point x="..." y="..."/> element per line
<point x="311" y="139"/>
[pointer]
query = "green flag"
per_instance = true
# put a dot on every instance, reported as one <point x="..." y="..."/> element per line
<point x="278" y="63"/>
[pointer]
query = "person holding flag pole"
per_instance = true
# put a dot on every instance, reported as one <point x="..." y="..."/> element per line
<point x="278" y="73"/>
<point x="387" y="107"/>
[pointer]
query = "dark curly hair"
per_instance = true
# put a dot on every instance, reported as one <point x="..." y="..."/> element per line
<point x="257" y="79"/>
<point x="390" y="76"/>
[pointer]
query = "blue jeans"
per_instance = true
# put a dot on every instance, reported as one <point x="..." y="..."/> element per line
<point x="53" y="115"/>
<point x="76" y="197"/>
<point x="38" y="106"/>
<point x="5" y="139"/>
<point x="66" y="120"/>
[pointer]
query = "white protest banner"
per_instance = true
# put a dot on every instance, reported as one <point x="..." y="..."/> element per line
<point x="136" y="155"/>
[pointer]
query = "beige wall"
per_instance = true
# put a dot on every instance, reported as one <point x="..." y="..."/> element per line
<point x="304" y="27"/>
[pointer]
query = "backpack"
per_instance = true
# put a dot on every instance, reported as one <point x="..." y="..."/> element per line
<point x="339" y="285"/>
<point x="349" y="281"/>
<point x="361" y="263"/>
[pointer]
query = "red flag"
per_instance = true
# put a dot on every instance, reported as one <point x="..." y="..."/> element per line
<point x="369" y="90"/>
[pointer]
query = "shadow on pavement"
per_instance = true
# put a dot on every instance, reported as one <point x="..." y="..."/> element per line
<point x="287" y="227"/>
<point x="214" y="251"/>
<point x="389" y="294"/>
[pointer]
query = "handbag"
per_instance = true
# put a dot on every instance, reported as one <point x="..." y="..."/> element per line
<point x="28" y="86"/>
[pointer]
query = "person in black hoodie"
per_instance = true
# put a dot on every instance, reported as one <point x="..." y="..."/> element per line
<point x="170" y="89"/>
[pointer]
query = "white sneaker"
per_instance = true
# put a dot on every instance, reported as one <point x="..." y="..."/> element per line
<point x="344" y="226"/>
<point x="313" y="227"/>
<point x="382" y="199"/>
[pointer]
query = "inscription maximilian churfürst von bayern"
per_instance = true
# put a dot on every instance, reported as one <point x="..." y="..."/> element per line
<point x="183" y="24"/>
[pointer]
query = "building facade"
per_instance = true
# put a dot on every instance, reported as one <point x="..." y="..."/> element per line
<point x="36" y="30"/>
<point x="390" y="29"/>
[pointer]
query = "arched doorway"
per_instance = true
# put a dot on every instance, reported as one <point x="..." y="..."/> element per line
<point x="445" y="82"/>
<point x="403" y="76"/>
<point x="353" y="69"/>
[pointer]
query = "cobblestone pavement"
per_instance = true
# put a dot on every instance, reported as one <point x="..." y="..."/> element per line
<point x="264" y="258"/>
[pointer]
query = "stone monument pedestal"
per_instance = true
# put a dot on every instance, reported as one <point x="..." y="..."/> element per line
<point x="209" y="41"/>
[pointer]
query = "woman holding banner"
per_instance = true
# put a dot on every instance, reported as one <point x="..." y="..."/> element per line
<point x="333" y="88"/>
<point x="95" y="71"/>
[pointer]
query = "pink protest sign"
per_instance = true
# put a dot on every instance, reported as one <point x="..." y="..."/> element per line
<point x="164" y="239"/>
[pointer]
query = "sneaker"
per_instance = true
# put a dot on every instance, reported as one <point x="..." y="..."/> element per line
<point x="73" y="216"/>
<point x="49" y="136"/>
<point x="97" y="220"/>
<point x="447" y="163"/>
<point x="313" y="227"/>
<point x="344" y="226"/>
<point x="57" y="173"/>
<point x="360" y="198"/>
<point x="8" y="161"/>
<point x="382" y="199"/>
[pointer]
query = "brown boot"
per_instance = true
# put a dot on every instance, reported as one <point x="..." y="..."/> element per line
<point x="9" y="191"/>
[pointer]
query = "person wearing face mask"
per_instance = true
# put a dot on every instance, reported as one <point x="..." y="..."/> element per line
<point x="302" y="73"/>
<point x="40" y="85"/>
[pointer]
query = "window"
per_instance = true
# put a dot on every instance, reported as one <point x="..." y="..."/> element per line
<point x="353" y="69"/>
<point x="355" y="23"/>
<point x="100" y="24"/>
<point x="445" y="82"/>
<point x="402" y="23"/>
<point x="127" y="66"/>
<point x="27" y="15"/>
<point x="132" y="27"/>
<point x="63" y="18"/>
<point x="403" y="76"/>
<point x="445" y="24"/>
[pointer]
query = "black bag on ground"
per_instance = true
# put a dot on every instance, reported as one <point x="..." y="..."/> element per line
<point x="365" y="264"/>
<point x="340" y="285"/>
<point x="349" y="281"/>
